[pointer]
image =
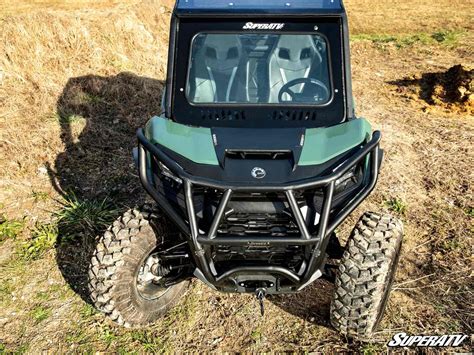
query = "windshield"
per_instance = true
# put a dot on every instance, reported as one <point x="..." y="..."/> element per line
<point x="259" y="68"/>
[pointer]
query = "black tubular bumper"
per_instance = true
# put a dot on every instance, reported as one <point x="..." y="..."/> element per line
<point x="198" y="242"/>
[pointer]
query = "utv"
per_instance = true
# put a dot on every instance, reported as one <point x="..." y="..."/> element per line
<point x="255" y="161"/>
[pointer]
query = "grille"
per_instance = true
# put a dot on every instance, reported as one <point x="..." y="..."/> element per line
<point x="260" y="155"/>
<point x="265" y="224"/>
<point x="222" y="115"/>
<point x="294" y="115"/>
<point x="290" y="256"/>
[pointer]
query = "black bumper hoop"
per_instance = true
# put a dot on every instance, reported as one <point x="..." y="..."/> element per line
<point x="198" y="242"/>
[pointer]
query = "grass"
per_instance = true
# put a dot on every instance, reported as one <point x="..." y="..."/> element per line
<point x="10" y="229"/>
<point x="18" y="351"/>
<point x="39" y="196"/>
<point x="87" y="311"/>
<point x="397" y="205"/>
<point x="371" y="349"/>
<point x="43" y="238"/>
<point x="78" y="217"/>
<point x="48" y="49"/>
<point x="256" y="335"/>
<point x="108" y="335"/>
<point x="69" y="119"/>
<point x="447" y="38"/>
<point x="470" y="212"/>
<point x="149" y="342"/>
<point x="40" y="313"/>
<point x="6" y="289"/>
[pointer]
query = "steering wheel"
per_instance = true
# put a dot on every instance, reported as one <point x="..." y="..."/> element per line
<point x="299" y="97"/>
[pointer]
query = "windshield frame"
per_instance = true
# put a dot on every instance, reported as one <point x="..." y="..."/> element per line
<point x="272" y="104"/>
<point x="258" y="115"/>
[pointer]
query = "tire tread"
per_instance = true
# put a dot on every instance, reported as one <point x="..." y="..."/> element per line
<point x="365" y="273"/>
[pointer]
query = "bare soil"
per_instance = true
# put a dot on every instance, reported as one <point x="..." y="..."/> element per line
<point x="451" y="89"/>
<point x="78" y="79"/>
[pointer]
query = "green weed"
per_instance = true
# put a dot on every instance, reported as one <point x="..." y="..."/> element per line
<point x="22" y="349"/>
<point x="78" y="336"/>
<point x="148" y="341"/>
<point x="470" y="211"/>
<point x="452" y="244"/>
<point x="375" y="38"/>
<point x="10" y="229"/>
<point x="449" y="38"/>
<point x="371" y="349"/>
<point x="6" y="289"/>
<point x="396" y="205"/>
<point x="18" y="351"/>
<point x="43" y="238"/>
<point x="78" y="217"/>
<point x="108" y="335"/>
<point x="43" y="296"/>
<point x="88" y="98"/>
<point x="87" y="311"/>
<point x="68" y="119"/>
<point x="40" y="313"/>
<point x="256" y="335"/>
<point x="40" y="196"/>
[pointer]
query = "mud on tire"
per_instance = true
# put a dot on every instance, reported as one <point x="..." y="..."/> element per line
<point x="365" y="275"/>
<point x="115" y="264"/>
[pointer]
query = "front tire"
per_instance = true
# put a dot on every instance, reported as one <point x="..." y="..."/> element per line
<point x="117" y="264"/>
<point x="366" y="274"/>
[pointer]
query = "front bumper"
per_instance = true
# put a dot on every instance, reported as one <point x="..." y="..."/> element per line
<point x="315" y="244"/>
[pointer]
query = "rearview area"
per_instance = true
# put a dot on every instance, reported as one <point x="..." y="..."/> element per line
<point x="259" y="68"/>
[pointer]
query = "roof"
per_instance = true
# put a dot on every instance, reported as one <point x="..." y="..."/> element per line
<point x="306" y="7"/>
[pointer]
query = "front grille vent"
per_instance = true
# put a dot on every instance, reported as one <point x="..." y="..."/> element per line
<point x="258" y="155"/>
<point x="294" y="115"/>
<point x="265" y="224"/>
<point x="223" y="115"/>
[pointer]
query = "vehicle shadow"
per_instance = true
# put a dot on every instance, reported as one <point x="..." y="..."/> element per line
<point x="312" y="304"/>
<point x="95" y="174"/>
<point x="98" y="118"/>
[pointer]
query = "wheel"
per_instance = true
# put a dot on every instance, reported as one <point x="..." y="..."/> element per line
<point x="126" y="279"/>
<point x="365" y="275"/>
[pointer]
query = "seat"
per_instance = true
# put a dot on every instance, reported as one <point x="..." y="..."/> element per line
<point x="294" y="57"/>
<point x="216" y="70"/>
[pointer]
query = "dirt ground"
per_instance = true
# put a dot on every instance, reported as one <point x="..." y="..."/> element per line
<point x="77" y="79"/>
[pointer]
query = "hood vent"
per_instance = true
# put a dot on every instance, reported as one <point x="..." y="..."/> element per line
<point x="294" y="115"/>
<point x="259" y="155"/>
<point x="223" y="115"/>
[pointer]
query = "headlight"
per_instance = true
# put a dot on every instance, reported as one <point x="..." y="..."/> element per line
<point x="167" y="173"/>
<point x="348" y="179"/>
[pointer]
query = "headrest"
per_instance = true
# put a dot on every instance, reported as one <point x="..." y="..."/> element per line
<point x="222" y="52"/>
<point x="296" y="52"/>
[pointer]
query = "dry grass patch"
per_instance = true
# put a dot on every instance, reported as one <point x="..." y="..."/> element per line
<point x="75" y="83"/>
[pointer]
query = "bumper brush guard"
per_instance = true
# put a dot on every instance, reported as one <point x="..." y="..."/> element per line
<point x="198" y="242"/>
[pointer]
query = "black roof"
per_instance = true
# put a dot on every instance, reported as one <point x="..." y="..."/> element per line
<point x="258" y="7"/>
